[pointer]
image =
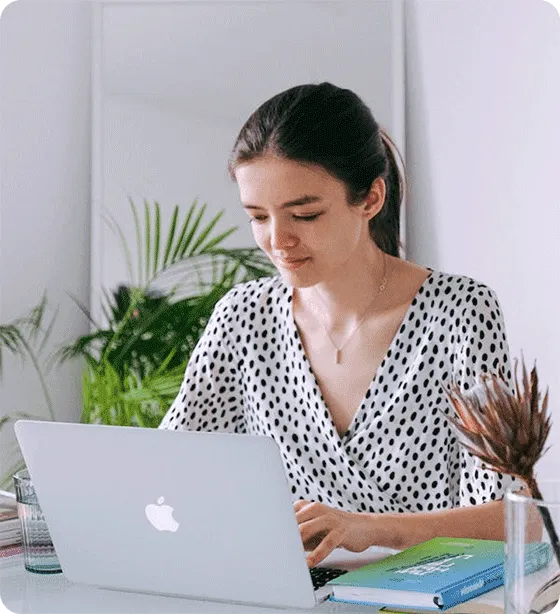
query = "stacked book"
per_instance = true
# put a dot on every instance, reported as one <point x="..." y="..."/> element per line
<point x="10" y="528"/>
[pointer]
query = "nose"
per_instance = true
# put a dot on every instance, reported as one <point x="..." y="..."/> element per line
<point x="282" y="236"/>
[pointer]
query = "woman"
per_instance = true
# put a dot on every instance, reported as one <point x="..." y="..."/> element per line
<point x="342" y="358"/>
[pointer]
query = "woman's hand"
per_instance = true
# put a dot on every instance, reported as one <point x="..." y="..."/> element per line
<point x="324" y="528"/>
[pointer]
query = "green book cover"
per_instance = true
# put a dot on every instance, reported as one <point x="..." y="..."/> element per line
<point x="435" y="574"/>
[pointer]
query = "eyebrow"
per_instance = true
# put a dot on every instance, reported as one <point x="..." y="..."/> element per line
<point x="302" y="200"/>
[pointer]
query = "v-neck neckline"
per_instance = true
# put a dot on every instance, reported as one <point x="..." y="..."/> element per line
<point x="347" y="435"/>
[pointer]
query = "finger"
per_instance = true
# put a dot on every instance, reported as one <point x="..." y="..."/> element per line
<point x="329" y="543"/>
<point x="313" y="528"/>
<point x="299" y="504"/>
<point x="309" y="511"/>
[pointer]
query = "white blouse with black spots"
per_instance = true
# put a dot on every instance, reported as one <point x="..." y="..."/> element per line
<point x="249" y="374"/>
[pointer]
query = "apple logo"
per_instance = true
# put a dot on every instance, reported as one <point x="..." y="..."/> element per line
<point x="161" y="516"/>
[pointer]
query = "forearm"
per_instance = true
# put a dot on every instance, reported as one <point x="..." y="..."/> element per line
<point x="484" y="521"/>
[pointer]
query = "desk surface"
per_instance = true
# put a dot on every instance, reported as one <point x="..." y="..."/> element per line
<point x="22" y="591"/>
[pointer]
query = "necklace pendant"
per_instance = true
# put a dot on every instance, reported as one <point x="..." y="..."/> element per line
<point x="337" y="357"/>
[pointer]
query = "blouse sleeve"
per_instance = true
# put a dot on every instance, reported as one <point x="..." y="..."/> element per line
<point x="482" y="348"/>
<point x="211" y="395"/>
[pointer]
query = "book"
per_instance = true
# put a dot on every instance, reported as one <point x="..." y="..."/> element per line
<point x="7" y="514"/>
<point x="434" y="575"/>
<point x="11" y="550"/>
<point x="11" y="539"/>
<point x="10" y="526"/>
<point x="464" y="608"/>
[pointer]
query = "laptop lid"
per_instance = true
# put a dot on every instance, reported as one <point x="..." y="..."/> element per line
<point x="203" y="515"/>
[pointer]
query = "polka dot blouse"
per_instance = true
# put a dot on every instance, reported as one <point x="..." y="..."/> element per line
<point x="249" y="374"/>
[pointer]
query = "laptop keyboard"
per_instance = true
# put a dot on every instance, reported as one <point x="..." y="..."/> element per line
<point x="320" y="575"/>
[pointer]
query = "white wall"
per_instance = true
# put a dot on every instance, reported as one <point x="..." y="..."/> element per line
<point x="483" y="132"/>
<point x="45" y="188"/>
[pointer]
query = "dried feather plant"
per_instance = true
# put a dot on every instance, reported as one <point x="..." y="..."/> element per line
<point x="506" y="431"/>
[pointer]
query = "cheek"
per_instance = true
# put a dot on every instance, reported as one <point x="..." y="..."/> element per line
<point x="261" y="236"/>
<point x="344" y="232"/>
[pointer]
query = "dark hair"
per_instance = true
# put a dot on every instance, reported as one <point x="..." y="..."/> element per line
<point x="331" y="127"/>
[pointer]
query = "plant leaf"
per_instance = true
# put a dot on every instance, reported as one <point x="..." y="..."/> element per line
<point x="205" y="232"/>
<point x="176" y="252"/>
<point x="170" y="236"/>
<point x="157" y="224"/>
<point x="184" y="247"/>
<point x="138" y="240"/>
<point x="147" y="237"/>
<point x="217" y="240"/>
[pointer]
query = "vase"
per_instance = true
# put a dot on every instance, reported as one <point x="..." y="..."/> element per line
<point x="530" y="520"/>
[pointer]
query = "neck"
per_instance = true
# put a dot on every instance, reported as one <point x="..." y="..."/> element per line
<point x="341" y="299"/>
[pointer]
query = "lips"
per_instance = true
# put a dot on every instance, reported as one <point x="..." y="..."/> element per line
<point x="291" y="260"/>
<point x="292" y="263"/>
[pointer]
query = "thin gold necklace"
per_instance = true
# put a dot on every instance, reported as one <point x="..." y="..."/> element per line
<point x="338" y="349"/>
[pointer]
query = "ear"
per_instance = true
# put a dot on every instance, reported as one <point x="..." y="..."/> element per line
<point x="375" y="199"/>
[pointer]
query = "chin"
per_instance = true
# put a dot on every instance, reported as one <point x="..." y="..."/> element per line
<point x="298" y="280"/>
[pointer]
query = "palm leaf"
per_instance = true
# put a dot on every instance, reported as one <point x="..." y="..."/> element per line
<point x="35" y="319"/>
<point x="84" y="310"/>
<point x="147" y="238"/>
<point x="157" y="224"/>
<point x="138" y="239"/>
<point x="176" y="253"/>
<point x="216" y="240"/>
<point x="47" y="332"/>
<point x="170" y="236"/>
<point x="145" y="326"/>
<point x="205" y="232"/>
<point x="11" y="339"/>
<point x="108" y="307"/>
<point x="191" y="233"/>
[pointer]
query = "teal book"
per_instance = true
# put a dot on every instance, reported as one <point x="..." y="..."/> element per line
<point x="434" y="575"/>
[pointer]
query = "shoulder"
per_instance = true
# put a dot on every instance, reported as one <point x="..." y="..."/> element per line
<point x="253" y="295"/>
<point x="463" y="307"/>
<point x="454" y="289"/>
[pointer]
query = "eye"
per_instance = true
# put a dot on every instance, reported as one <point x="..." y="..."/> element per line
<point x="307" y="218"/>
<point x="257" y="218"/>
<point x="300" y="218"/>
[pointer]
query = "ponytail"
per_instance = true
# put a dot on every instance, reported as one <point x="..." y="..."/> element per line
<point x="385" y="226"/>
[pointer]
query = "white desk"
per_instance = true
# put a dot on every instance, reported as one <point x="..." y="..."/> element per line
<point x="25" y="592"/>
<point x="28" y="593"/>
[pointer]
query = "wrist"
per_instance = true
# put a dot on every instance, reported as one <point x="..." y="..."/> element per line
<point x="395" y="531"/>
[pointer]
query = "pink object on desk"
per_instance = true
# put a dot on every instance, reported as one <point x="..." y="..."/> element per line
<point x="12" y="550"/>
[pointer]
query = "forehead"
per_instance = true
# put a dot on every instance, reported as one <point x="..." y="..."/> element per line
<point x="272" y="181"/>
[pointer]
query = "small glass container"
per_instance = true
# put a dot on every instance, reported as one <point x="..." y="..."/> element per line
<point x="530" y="520"/>
<point x="39" y="554"/>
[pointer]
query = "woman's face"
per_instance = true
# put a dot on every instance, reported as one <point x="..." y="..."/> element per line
<point x="301" y="219"/>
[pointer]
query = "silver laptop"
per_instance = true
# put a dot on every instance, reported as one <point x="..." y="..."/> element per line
<point x="201" y="515"/>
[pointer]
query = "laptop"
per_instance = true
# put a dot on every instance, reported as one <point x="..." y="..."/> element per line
<point x="181" y="513"/>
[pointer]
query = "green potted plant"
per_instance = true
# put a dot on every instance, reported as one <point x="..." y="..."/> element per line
<point x="136" y="357"/>
<point x="135" y="361"/>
